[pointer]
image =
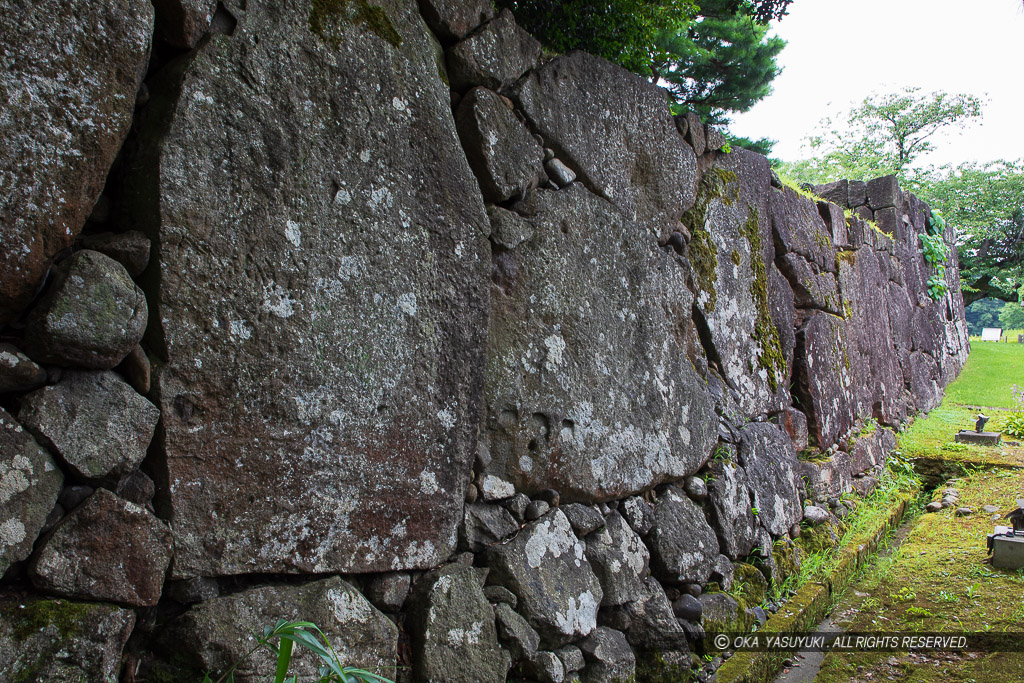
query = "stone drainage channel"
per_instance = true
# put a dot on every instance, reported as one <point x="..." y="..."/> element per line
<point x="832" y="605"/>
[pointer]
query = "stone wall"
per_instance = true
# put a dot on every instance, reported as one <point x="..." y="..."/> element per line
<point x="379" y="316"/>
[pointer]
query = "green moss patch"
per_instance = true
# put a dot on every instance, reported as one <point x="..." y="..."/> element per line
<point x="328" y="18"/>
<point x="937" y="581"/>
<point x="38" y="615"/>
<point x="714" y="186"/>
<point x="766" y="334"/>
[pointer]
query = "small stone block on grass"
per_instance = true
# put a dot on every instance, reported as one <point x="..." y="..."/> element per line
<point x="979" y="438"/>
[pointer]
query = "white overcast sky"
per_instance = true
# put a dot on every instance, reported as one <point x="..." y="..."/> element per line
<point x="839" y="52"/>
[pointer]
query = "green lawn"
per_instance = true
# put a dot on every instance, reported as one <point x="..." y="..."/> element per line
<point x="991" y="370"/>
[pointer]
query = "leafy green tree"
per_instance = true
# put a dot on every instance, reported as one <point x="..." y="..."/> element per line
<point x="621" y="31"/>
<point x="725" y="61"/>
<point x="983" y="313"/>
<point x="1011" y="316"/>
<point x="714" y="58"/>
<point x="884" y="134"/>
<point x="985" y="204"/>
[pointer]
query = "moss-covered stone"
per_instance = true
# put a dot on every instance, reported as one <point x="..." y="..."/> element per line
<point x="714" y="186"/>
<point x="749" y="584"/>
<point x="327" y="17"/>
<point x="766" y="334"/>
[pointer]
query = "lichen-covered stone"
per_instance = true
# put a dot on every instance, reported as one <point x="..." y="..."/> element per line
<point x="453" y="629"/>
<point x="620" y="559"/>
<point x="321" y="293"/>
<point x="66" y="113"/>
<point x="589" y="389"/>
<point x="494" y="56"/>
<point x="732" y="256"/>
<point x="827" y="478"/>
<point x="501" y="151"/>
<point x="29" y="485"/>
<point x="454" y="19"/>
<point x="60" y="640"/>
<point x="106" y="549"/>
<point x="92" y="315"/>
<point x="883" y="192"/>
<point x="824" y="381"/>
<point x="97" y="423"/>
<point x="214" y="634"/>
<point x="683" y="546"/>
<point x="615" y="130"/>
<point x="769" y="461"/>
<point x="729" y="508"/>
<point x="583" y="518"/>
<point x="17" y="371"/>
<point x="547" y="568"/>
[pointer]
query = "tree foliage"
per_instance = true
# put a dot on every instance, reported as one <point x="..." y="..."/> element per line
<point x="884" y="134"/>
<point x="621" y="31"/>
<point x="724" y="61"/>
<point x="985" y="204"/>
<point x="714" y="56"/>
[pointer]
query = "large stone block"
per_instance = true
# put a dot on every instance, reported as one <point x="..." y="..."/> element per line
<point x="613" y="128"/>
<point x="29" y="485"/>
<point x="683" y="547"/>
<point x="732" y="256"/>
<point x="729" y="508"/>
<point x="620" y="559"/>
<point x="321" y="294"/>
<point x="214" y="634"/>
<point x="66" y="113"/>
<point x="589" y="389"/>
<point x="824" y="381"/>
<point x="769" y="461"/>
<point x="494" y="57"/>
<point x="799" y="229"/>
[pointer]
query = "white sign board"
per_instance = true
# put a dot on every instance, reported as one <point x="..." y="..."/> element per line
<point x="991" y="334"/>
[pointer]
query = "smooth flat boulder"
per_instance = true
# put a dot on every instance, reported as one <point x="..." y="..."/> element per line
<point x="29" y="485"/>
<point x="589" y="389"/>
<point x="321" y="293"/>
<point x="66" y="113"/>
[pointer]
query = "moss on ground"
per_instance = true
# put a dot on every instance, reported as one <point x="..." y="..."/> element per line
<point x="937" y="581"/>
